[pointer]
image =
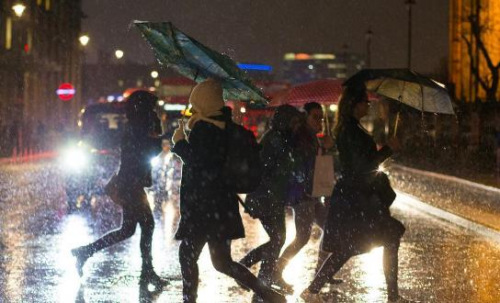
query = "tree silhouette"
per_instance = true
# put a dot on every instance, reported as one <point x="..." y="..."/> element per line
<point x="477" y="50"/>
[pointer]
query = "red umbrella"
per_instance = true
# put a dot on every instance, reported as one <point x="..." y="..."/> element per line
<point x="325" y="91"/>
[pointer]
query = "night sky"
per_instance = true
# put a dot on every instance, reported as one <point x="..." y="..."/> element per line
<point x="261" y="31"/>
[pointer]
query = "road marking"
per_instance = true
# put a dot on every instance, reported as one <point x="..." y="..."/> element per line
<point x="415" y="203"/>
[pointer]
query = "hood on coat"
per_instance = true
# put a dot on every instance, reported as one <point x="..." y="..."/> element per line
<point x="283" y="114"/>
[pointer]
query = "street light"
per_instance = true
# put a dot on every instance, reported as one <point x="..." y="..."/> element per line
<point x="84" y="40"/>
<point x="18" y="9"/>
<point x="119" y="54"/>
<point x="154" y="74"/>
<point x="409" y="4"/>
<point x="368" y="37"/>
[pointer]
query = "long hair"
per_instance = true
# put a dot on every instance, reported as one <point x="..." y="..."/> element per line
<point x="351" y="95"/>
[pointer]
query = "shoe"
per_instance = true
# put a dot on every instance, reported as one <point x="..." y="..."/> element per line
<point x="81" y="254"/>
<point x="283" y="286"/>
<point x="150" y="277"/>
<point x="310" y="297"/>
<point x="271" y="296"/>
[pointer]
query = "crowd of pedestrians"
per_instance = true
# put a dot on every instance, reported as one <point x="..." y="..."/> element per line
<point x="355" y="218"/>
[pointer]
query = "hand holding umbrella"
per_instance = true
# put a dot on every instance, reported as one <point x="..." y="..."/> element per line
<point x="179" y="133"/>
<point x="406" y="87"/>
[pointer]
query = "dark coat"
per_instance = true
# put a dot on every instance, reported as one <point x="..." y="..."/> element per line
<point x="268" y="200"/>
<point x="137" y="150"/>
<point x="305" y="149"/>
<point x="208" y="209"/>
<point x="356" y="219"/>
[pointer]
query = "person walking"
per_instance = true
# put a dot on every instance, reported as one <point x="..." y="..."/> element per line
<point x="139" y="144"/>
<point x="306" y="209"/>
<point x="209" y="210"/>
<point x="267" y="202"/>
<point x="359" y="217"/>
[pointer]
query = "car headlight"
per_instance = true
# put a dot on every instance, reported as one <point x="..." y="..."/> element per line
<point x="74" y="158"/>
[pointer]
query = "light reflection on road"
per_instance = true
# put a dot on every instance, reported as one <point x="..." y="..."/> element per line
<point x="439" y="262"/>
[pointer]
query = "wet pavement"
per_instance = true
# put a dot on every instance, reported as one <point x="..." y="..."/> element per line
<point x="439" y="261"/>
<point x="473" y="201"/>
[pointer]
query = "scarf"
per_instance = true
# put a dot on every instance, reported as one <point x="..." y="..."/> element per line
<point x="199" y="116"/>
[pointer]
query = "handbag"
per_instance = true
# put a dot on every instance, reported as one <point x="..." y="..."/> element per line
<point x="383" y="189"/>
<point x="324" y="176"/>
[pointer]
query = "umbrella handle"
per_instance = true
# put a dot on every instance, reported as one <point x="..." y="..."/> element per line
<point x="396" y="125"/>
<point x="325" y="117"/>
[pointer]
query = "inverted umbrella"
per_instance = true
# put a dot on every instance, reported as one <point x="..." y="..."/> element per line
<point x="407" y="87"/>
<point x="196" y="61"/>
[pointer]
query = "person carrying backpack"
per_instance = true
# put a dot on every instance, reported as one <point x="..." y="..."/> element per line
<point x="208" y="206"/>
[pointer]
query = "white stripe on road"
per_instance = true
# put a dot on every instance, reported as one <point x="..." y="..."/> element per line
<point x="447" y="178"/>
<point x="415" y="203"/>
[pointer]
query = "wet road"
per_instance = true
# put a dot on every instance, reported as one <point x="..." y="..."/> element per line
<point x="439" y="261"/>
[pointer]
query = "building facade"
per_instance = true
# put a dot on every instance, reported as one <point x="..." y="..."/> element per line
<point x="302" y="67"/>
<point x="39" y="50"/>
<point x="463" y="59"/>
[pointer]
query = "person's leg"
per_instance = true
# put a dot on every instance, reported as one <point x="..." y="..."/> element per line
<point x="127" y="229"/>
<point x="147" y="223"/>
<point x="220" y="253"/>
<point x="304" y="218"/>
<point x="189" y="253"/>
<point x="391" y="268"/>
<point x="329" y="268"/>
<point x="276" y="229"/>
<point x="258" y="254"/>
<point x="145" y="218"/>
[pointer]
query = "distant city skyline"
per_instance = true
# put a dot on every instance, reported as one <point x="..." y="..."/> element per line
<point x="263" y="31"/>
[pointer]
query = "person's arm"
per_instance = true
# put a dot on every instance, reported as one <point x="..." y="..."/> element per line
<point x="202" y="148"/>
<point x="363" y="157"/>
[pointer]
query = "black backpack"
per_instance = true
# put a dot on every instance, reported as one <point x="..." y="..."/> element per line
<point x="243" y="167"/>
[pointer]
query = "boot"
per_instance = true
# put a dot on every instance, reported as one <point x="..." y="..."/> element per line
<point x="149" y="276"/>
<point x="271" y="296"/>
<point x="81" y="254"/>
<point x="284" y="287"/>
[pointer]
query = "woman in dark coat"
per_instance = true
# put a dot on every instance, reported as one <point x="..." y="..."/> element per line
<point x="209" y="210"/>
<point x="267" y="202"/>
<point x="359" y="217"/>
<point x="140" y="143"/>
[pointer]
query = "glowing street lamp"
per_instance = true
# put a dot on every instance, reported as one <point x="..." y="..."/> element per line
<point x="119" y="54"/>
<point x="18" y="9"/>
<point x="154" y="74"/>
<point x="84" y="40"/>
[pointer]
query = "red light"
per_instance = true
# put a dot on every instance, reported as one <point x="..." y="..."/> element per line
<point x="26" y="48"/>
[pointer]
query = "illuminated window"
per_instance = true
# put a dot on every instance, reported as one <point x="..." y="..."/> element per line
<point x="39" y="2"/>
<point x="8" y="33"/>
<point x="47" y="5"/>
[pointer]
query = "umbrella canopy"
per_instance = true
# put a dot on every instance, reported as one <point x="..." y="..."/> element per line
<point x="194" y="60"/>
<point x="407" y="87"/>
<point x="325" y="91"/>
